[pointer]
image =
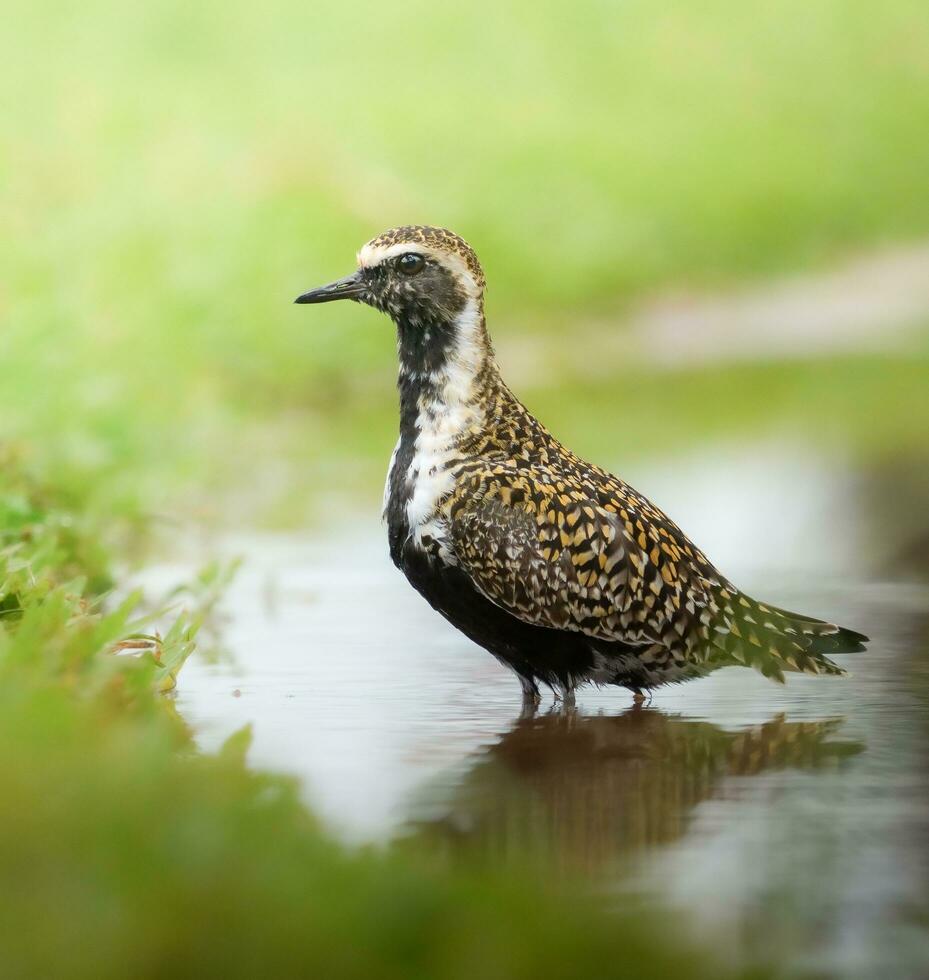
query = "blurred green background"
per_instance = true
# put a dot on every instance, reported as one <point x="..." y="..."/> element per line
<point x="173" y="174"/>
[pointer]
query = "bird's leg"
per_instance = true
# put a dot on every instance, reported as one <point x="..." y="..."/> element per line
<point x="563" y="697"/>
<point x="638" y="698"/>
<point x="531" y="697"/>
<point x="528" y="710"/>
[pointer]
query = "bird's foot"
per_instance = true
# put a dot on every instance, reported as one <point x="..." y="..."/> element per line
<point x="531" y="699"/>
<point x="563" y="701"/>
<point x="639" y="699"/>
<point x="530" y="707"/>
<point x="563" y="694"/>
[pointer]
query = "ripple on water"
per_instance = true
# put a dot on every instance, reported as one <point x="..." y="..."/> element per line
<point x="789" y="816"/>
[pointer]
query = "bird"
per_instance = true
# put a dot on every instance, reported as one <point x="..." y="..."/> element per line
<point x="562" y="571"/>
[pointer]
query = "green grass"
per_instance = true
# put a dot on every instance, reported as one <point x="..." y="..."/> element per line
<point x="173" y="174"/>
<point x="869" y="407"/>
<point x="125" y="852"/>
<point x="870" y="410"/>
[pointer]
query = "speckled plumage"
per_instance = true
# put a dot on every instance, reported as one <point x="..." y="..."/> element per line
<point x="561" y="570"/>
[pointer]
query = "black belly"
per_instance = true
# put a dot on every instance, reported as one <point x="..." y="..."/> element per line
<point x="537" y="653"/>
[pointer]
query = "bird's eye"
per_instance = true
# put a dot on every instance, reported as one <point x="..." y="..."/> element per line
<point x="411" y="263"/>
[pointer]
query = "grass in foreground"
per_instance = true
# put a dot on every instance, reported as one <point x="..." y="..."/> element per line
<point x="125" y="852"/>
<point x="172" y="176"/>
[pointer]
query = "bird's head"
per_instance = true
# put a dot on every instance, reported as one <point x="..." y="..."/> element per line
<point x="420" y="276"/>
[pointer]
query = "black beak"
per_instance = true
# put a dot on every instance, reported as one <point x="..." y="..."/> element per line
<point x="351" y="287"/>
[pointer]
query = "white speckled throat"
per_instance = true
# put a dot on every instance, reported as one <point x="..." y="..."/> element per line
<point x="442" y="406"/>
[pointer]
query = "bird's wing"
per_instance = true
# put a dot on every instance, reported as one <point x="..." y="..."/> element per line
<point x="566" y="556"/>
<point x="598" y="558"/>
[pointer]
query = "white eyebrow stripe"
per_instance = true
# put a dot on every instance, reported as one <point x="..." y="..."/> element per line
<point x="372" y="255"/>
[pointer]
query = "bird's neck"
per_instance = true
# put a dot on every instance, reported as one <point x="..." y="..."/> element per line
<point x="447" y="377"/>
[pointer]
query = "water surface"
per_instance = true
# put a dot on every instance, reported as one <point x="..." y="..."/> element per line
<point x="781" y="819"/>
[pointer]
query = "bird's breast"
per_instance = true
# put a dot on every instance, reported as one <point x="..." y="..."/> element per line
<point x="435" y="414"/>
<point x="420" y="478"/>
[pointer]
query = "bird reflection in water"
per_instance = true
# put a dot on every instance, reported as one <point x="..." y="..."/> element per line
<point x="573" y="792"/>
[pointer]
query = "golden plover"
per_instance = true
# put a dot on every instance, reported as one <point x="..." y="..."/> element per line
<point x="561" y="570"/>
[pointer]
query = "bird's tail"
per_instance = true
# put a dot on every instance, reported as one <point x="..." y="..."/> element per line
<point x="743" y="630"/>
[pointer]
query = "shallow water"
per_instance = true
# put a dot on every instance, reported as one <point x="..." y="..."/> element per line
<point x="781" y="818"/>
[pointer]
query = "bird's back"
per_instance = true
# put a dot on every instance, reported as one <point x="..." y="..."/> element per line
<point x="564" y="544"/>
